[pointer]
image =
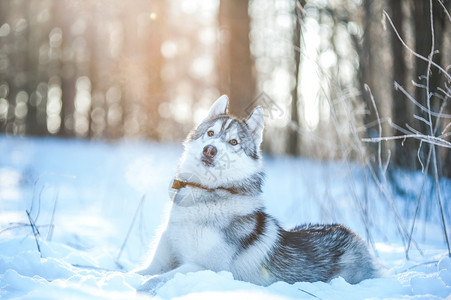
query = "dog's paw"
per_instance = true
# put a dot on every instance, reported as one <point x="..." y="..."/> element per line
<point x="151" y="285"/>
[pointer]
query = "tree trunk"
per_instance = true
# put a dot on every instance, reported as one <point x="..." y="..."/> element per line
<point x="238" y="80"/>
<point x="404" y="152"/>
<point x="366" y="63"/>
<point x="422" y="35"/>
<point x="66" y="69"/>
<point x="154" y="62"/>
<point x="293" y="139"/>
<point x="423" y="46"/>
<point x="442" y="28"/>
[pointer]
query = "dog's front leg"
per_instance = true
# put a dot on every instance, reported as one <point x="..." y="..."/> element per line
<point x="155" y="282"/>
<point x="163" y="259"/>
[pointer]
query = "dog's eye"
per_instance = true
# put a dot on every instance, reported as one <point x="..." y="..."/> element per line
<point x="233" y="142"/>
<point x="211" y="133"/>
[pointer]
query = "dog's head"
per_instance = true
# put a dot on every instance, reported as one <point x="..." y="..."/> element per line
<point x="223" y="149"/>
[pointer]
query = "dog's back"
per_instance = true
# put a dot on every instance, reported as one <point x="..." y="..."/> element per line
<point x="320" y="253"/>
<point x="267" y="253"/>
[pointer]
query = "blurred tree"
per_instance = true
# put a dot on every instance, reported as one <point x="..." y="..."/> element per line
<point x="15" y="64"/>
<point x="366" y="69"/>
<point x="38" y="33"/>
<point x="64" y="65"/>
<point x="236" y="77"/>
<point x="404" y="154"/>
<point x="293" y="139"/>
<point x="428" y="39"/>
<point x="443" y="23"/>
<point x="152" y="37"/>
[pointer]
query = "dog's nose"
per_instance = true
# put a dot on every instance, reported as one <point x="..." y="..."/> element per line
<point x="210" y="151"/>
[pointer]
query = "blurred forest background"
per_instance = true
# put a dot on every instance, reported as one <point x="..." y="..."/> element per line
<point x="101" y="69"/>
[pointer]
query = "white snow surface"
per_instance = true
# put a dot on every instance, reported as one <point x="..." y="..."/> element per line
<point x="84" y="198"/>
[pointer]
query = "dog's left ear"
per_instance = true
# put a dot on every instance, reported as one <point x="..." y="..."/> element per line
<point x="219" y="107"/>
<point x="256" y="124"/>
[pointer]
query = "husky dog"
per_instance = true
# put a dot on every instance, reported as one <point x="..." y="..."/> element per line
<point x="218" y="220"/>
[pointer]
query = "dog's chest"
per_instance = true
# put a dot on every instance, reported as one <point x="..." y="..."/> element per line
<point x="196" y="236"/>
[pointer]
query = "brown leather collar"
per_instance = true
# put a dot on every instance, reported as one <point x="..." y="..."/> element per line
<point x="178" y="184"/>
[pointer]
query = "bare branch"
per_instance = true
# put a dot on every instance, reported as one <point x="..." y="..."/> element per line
<point x="129" y="230"/>
<point x="379" y="126"/>
<point x="445" y="129"/>
<point x="35" y="232"/>
<point x="445" y="10"/>
<point x="412" y="51"/>
<point x="426" y="138"/>
<point x="446" y="116"/>
<point x="421" y="119"/>
<point x="51" y="227"/>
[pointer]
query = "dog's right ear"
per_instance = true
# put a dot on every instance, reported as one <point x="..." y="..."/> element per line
<point x="256" y="124"/>
<point x="219" y="107"/>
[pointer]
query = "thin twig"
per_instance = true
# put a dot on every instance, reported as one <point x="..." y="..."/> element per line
<point x="447" y="94"/>
<point x="419" y="265"/>
<point x="445" y="10"/>
<point x="51" y="228"/>
<point x="308" y="293"/>
<point x="353" y="188"/>
<point x="445" y="129"/>
<point x="412" y="51"/>
<point x="34" y="193"/>
<point x="425" y="173"/>
<point x="129" y="230"/>
<point x="434" y="155"/>
<point x="15" y="226"/>
<point x="389" y="198"/>
<point x="421" y="119"/>
<point x="35" y="232"/>
<point x="21" y="225"/>
<point x="419" y="155"/>
<point x="437" y="188"/>
<point x="397" y="86"/>
<point x="39" y="204"/>
<point x="425" y="138"/>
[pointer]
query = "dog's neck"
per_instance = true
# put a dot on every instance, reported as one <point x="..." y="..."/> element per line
<point x="251" y="186"/>
<point x="179" y="184"/>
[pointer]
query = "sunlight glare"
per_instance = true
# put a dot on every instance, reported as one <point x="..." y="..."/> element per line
<point x="181" y="108"/>
<point x="169" y="49"/>
<point x="54" y="106"/>
<point x="3" y="109"/>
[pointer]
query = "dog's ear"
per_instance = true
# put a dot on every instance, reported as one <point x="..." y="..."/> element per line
<point x="256" y="124"/>
<point x="218" y="108"/>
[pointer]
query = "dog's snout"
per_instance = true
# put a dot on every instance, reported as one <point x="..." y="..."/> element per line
<point x="210" y="151"/>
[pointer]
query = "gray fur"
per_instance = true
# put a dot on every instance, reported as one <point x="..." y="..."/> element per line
<point x="249" y="146"/>
<point x="218" y="221"/>
<point x="320" y="253"/>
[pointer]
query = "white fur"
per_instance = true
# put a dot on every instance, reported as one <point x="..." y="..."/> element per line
<point x="248" y="264"/>
<point x="229" y="167"/>
<point x="219" y="107"/>
<point x="256" y="124"/>
<point x="193" y="239"/>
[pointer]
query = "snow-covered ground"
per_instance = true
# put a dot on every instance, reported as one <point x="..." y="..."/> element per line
<point x="85" y="197"/>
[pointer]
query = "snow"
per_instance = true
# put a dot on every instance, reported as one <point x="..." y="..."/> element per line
<point x="84" y="196"/>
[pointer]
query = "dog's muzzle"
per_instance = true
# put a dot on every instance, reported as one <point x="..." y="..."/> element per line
<point x="210" y="151"/>
<point x="208" y="154"/>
